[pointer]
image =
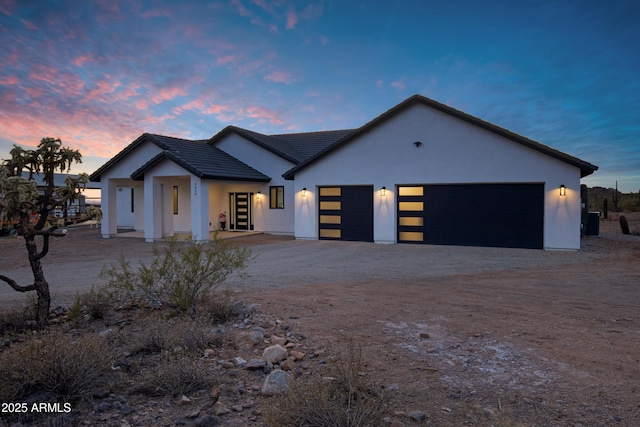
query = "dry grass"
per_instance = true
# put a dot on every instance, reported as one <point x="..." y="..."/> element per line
<point x="53" y="362"/>
<point x="344" y="399"/>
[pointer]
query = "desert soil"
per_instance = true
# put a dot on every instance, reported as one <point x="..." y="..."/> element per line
<point x="470" y="336"/>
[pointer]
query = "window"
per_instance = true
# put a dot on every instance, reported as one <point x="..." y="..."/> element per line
<point x="175" y="200"/>
<point x="276" y="197"/>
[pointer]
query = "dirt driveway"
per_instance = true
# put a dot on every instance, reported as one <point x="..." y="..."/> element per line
<point x="470" y="336"/>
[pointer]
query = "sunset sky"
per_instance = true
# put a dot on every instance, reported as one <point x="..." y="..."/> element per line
<point x="98" y="73"/>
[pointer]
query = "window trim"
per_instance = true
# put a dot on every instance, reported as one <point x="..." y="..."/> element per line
<point x="273" y="196"/>
<point x="175" y="200"/>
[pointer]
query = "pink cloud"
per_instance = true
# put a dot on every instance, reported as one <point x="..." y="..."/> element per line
<point x="142" y="104"/>
<point x="81" y="60"/>
<point x="6" y="6"/>
<point x="312" y="11"/>
<point x="34" y="92"/>
<point x="292" y="20"/>
<point x="196" y="104"/>
<point x="216" y="109"/>
<point x="398" y="84"/>
<point x="28" y="24"/>
<point x="226" y="59"/>
<point x="10" y="80"/>
<point x="279" y="77"/>
<point x="104" y="88"/>
<point x="63" y="83"/>
<point x="154" y="13"/>
<point x="263" y="114"/>
<point x="243" y="11"/>
<point x="167" y="94"/>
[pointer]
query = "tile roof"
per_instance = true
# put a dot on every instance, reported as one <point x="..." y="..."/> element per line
<point x="294" y="147"/>
<point x="201" y="159"/>
<point x="198" y="157"/>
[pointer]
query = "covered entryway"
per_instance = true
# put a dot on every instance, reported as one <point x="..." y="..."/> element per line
<point x="346" y="213"/>
<point x="497" y="215"/>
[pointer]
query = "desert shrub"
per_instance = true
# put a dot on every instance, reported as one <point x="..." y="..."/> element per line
<point x="179" y="275"/>
<point x="344" y="399"/>
<point x="15" y="320"/>
<point x="54" y="363"/>
<point x="171" y="335"/>
<point x="220" y="307"/>
<point x="176" y="375"/>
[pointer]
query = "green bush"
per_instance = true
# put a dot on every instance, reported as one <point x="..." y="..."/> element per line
<point x="180" y="275"/>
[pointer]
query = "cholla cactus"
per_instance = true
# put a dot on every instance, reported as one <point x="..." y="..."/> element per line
<point x="20" y="200"/>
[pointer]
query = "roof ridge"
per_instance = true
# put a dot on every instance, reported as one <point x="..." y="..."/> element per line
<point x="314" y="131"/>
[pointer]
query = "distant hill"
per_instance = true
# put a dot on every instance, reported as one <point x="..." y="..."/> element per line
<point x="625" y="201"/>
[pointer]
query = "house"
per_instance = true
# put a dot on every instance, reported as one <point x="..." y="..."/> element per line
<point x="77" y="207"/>
<point x="422" y="172"/>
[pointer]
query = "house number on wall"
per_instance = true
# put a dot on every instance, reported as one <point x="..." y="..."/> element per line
<point x="195" y="188"/>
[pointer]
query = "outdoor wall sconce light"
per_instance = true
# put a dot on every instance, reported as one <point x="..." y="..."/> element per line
<point x="563" y="190"/>
<point x="383" y="191"/>
<point x="417" y="144"/>
<point x="304" y="192"/>
<point x="258" y="195"/>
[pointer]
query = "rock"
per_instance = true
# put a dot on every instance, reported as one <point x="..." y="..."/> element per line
<point x="276" y="383"/>
<point x="209" y="352"/>
<point x="215" y="393"/>
<point x="278" y="340"/>
<point x="256" y="364"/>
<point x="237" y="408"/>
<point x="297" y="355"/>
<point x="107" y="333"/>
<point x="424" y="335"/>
<point x="226" y="364"/>
<point x="184" y="400"/>
<point x="240" y="361"/>
<point x="246" y="340"/>
<point x="417" y="416"/>
<point x="103" y="406"/>
<point x="253" y="308"/>
<point x="207" y="421"/>
<point x="220" y="409"/>
<point x="193" y="414"/>
<point x="274" y="353"/>
<point x="396" y="423"/>
<point x="288" y="365"/>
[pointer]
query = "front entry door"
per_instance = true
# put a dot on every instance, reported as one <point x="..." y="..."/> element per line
<point x="242" y="211"/>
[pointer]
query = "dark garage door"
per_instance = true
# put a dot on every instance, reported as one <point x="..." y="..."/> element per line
<point x="500" y="215"/>
<point x="346" y="213"/>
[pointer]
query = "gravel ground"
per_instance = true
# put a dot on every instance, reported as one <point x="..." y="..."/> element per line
<point x="75" y="261"/>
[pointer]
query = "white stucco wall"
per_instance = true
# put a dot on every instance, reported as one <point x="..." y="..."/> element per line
<point x="119" y="176"/>
<point x="452" y="151"/>
<point x="277" y="221"/>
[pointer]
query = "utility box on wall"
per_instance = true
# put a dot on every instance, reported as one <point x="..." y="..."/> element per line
<point x="593" y="224"/>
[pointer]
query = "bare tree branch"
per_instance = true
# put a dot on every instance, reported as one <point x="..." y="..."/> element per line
<point x="17" y="287"/>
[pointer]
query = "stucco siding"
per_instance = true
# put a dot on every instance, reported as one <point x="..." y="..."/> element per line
<point x="451" y="151"/>
<point x="278" y="221"/>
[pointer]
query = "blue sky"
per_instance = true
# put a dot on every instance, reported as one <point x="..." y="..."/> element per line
<point x="98" y="73"/>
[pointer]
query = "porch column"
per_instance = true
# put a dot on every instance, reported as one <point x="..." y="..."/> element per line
<point x="109" y="225"/>
<point x="153" y="214"/>
<point x="199" y="209"/>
